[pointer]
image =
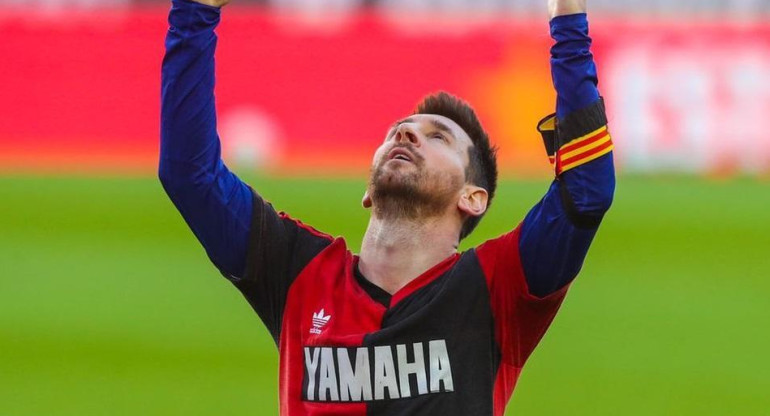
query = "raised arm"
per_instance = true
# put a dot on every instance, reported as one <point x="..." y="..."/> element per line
<point x="260" y="250"/>
<point x="557" y="232"/>
<point x="213" y="201"/>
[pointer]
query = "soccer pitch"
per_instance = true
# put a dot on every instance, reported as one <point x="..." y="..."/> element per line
<point x="108" y="305"/>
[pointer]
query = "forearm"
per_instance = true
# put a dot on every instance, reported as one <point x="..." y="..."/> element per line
<point x="213" y="201"/>
<point x="572" y="65"/>
<point x="188" y="115"/>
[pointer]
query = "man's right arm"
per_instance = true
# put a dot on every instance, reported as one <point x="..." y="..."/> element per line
<point x="213" y="201"/>
<point x="260" y="250"/>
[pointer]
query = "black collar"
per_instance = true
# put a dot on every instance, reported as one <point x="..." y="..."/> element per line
<point x="375" y="292"/>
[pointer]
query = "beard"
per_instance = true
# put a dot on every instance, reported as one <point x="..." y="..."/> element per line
<point x="408" y="191"/>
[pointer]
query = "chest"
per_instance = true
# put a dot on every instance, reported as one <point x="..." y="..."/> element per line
<point x="340" y="345"/>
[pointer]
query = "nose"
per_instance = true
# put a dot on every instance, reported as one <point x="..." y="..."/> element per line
<point x="405" y="133"/>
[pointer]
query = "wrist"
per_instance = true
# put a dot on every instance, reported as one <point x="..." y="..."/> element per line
<point x="558" y="8"/>
<point x="569" y="27"/>
<point x="205" y="4"/>
<point x="188" y="17"/>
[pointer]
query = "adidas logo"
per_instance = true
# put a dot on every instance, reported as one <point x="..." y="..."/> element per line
<point x="319" y="321"/>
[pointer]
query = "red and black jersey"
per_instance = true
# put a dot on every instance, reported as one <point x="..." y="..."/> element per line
<point x="451" y="342"/>
<point x="454" y="340"/>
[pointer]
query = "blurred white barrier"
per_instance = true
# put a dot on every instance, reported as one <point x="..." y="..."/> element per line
<point x="691" y="103"/>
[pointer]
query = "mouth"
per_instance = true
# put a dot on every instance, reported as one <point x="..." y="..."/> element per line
<point x="400" y="153"/>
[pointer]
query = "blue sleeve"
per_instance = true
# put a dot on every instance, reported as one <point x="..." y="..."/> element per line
<point x="216" y="205"/>
<point x="557" y="232"/>
<point x="572" y="64"/>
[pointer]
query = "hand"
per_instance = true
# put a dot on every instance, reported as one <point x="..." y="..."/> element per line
<point x="213" y="3"/>
<point x="564" y="7"/>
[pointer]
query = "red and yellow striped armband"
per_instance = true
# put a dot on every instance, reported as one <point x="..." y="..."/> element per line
<point x="577" y="139"/>
<point x="583" y="150"/>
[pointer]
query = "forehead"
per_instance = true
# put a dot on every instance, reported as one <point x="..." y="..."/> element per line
<point x="439" y="122"/>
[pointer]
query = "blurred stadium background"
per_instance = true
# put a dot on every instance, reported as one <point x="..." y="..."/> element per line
<point x="109" y="306"/>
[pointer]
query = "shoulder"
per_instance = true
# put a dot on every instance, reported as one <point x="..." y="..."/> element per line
<point x="504" y="248"/>
<point x="306" y="229"/>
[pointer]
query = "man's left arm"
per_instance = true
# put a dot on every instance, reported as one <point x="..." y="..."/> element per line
<point x="557" y="232"/>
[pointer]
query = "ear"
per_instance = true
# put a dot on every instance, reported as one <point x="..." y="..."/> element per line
<point x="473" y="201"/>
<point x="367" y="200"/>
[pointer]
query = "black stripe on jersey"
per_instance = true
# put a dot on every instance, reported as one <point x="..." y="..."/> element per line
<point x="375" y="292"/>
<point x="279" y="248"/>
<point x="455" y="307"/>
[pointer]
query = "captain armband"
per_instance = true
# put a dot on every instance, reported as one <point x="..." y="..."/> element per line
<point x="576" y="139"/>
<point x="573" y="141"/>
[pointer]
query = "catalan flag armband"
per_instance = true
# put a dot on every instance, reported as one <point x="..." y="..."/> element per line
<point x="577" y="139"/>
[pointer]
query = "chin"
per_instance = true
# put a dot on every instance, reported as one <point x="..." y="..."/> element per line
<point x="396" y="178"/>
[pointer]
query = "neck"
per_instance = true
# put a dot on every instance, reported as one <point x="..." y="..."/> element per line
<point x="396" y="250"/>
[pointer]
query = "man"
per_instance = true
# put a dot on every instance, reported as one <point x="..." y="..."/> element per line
<point x="408" y="326"/>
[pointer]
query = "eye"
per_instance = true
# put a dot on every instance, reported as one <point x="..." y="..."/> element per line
<point x="438" y="136"/>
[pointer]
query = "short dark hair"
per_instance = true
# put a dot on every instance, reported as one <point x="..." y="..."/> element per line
<point x="482" y="166"/>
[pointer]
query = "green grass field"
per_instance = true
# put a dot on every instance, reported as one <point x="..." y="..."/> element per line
<point x="108" y="306"/>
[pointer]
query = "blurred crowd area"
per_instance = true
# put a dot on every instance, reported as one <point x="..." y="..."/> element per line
<point x="685" y="81"/>
<point x="653" y="7"/>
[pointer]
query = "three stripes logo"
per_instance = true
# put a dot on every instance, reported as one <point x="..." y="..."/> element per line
<point x="319" y="321"/>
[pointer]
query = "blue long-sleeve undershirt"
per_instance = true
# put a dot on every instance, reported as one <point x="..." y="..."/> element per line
<point x="213" y="201"/>
<point x="552" y="247"/>
<point x="218" y="206"/>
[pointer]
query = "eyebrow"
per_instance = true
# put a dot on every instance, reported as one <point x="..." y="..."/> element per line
<point x="442" y="127"/>
<point x="437" y="124"/>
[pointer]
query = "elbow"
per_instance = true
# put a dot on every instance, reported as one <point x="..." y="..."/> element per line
<point x="600" y="200"/>
<point x="165" y="176"/>
<point x="588" y="214"/>
<point x="607" y="192"/>
<point x="604" y="203"/>
<point x="604" y="198"/>
<point x="173" y="180"/>
<point x="587" y="196"/>
<point x="595" y="190"/>
<point x="181" y="180"/>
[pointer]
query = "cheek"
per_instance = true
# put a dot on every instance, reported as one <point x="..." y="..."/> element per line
<point x="450" y="162"/>
<point x="448" y="165"/>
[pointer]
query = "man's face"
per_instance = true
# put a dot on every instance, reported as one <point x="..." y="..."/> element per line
<point x="419" y="170"/>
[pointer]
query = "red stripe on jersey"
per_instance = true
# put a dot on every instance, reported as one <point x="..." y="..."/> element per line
<point x="304" y="226"/>
<point x="521" y="318"/>
<point x="505" y="381"/>
<point x="327" y="283"/>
